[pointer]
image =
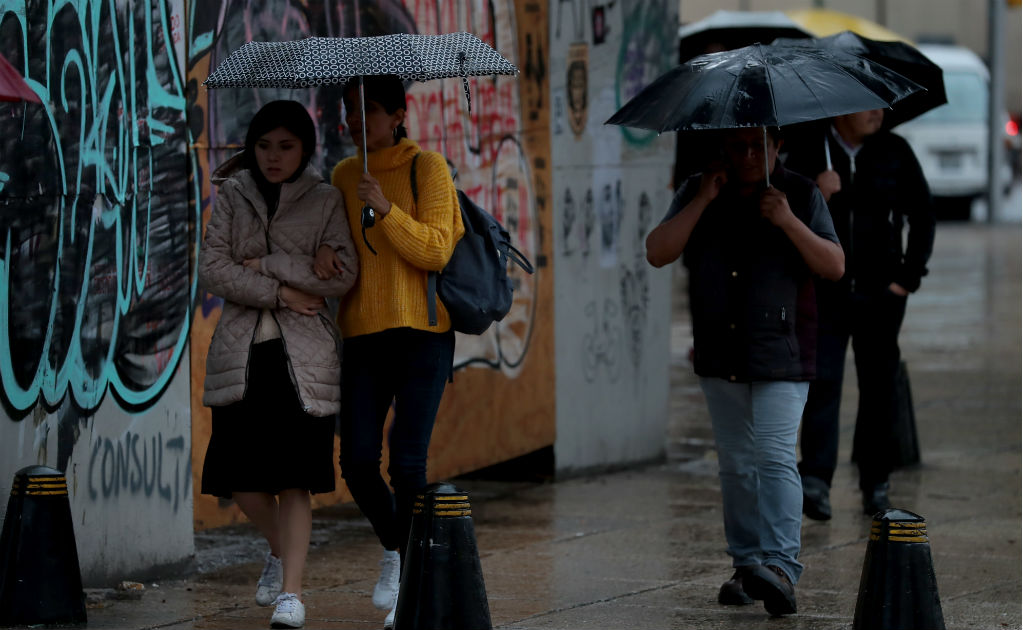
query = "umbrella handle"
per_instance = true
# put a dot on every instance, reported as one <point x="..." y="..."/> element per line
<point x="767" y="170"/>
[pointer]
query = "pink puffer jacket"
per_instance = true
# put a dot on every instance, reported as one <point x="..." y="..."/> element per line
<point x="310" y="213"/>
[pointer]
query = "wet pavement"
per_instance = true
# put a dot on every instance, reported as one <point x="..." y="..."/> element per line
<point x="644" y="548"/>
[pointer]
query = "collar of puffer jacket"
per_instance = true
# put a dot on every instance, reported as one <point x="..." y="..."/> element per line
<point x="290" y="191"/>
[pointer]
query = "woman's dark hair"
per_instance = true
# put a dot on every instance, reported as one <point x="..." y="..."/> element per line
<point x="291" y="115"/>
<point x="385" y="89"/>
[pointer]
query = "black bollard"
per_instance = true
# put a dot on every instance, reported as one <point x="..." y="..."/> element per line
<point x="898" y="590"/>
<point x="40" y="581"/>
<point x="442" y="582"/>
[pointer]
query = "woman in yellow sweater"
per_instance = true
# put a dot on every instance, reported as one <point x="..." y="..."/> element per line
<point x="391" y="353"/>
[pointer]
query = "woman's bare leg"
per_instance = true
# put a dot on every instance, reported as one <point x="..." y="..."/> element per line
<point x="261" y="508"/>
<point x="296" y="524"/>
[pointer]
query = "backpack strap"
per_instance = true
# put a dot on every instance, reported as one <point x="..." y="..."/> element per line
<point x="431" y="277"/>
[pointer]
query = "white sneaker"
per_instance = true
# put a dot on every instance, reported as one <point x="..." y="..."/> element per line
<point x="389" y="619"/>
<point x="269" y="585"/>
<point x="289" y="612"/>
<point x="385" y="593"/>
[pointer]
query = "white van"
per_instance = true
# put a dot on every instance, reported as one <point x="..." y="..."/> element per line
<point x="951" y="141"/>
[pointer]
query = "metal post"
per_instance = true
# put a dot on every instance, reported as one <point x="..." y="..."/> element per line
<point x="996" y="64"/>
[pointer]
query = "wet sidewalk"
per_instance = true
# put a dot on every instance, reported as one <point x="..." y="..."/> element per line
<point x="644" y="549"/>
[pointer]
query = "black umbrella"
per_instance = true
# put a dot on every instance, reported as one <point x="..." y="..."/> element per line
<point x="762" y="86"/>
<point x="895" y="55"/>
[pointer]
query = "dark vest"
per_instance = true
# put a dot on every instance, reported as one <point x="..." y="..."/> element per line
<point x="751" y="293"/>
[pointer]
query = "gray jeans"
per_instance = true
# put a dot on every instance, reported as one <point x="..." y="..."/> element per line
<point x="755" y="428"/>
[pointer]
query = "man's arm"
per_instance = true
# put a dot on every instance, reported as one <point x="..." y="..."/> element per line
<point x="824" y="258"/>
<point x="668" y="240"/>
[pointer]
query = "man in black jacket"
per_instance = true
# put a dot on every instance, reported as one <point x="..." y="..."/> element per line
<point x="873" y="185"/>
<point x="751" y="250"/>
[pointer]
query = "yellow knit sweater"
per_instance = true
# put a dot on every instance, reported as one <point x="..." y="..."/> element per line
<point x="410" y="240"/>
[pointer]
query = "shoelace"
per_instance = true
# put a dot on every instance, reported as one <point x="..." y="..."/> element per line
<point x="287" y="603"/>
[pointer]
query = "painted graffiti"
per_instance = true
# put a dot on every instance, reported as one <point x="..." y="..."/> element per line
<point x="602" y="343"/>
<point x="646" y="52"/>
<point x="140" y="465"/>
<point x="96" y="229"/>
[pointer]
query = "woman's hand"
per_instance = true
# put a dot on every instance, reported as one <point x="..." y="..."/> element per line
<point x="300" y="301"/>
<point x="253" y="264"/>
<point x="327" y="263"/>
<point x="369" y="191"/>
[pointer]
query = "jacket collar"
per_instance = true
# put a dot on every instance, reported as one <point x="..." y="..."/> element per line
<point x="290" y="191"/>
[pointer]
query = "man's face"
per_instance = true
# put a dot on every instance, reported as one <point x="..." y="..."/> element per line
<point x="744" y="149"/>
<point x="863" y="124"/>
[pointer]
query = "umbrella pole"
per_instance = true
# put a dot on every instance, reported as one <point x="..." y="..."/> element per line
<point x="362" y="118"/>
<point x="767" y="170"/>
<point x="827" y="152"/>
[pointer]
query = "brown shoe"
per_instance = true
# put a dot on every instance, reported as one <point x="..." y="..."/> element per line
<point x="731" y="593"/>
<point x="769" y="583"/>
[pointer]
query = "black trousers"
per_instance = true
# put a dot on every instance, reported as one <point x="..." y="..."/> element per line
<point x="872" y="321"/>
<point x="410" y="369"/>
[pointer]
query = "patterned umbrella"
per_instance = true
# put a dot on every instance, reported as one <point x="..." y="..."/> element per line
<point x="315" y="61"/>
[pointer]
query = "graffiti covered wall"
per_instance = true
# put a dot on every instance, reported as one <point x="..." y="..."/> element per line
<point x="97" y="238"/>
<point x="610" y="185"/>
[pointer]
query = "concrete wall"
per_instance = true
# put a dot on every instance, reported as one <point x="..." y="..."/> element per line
<point x="611" y="185"/>
<point x="963" y="22"/>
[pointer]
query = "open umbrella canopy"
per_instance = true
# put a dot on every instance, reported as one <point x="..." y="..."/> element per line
<point x="762" y="85"/>
<point x="824" y="22"/>
<point x="895" y="55"/>
<point x="331" y="60"/>
<point x="724" y="30"/>
<point x="13" y="88"/>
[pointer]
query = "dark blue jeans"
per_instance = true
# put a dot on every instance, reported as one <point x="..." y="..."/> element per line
<point x="872" y="321"/>
<point x="408" y="368"/>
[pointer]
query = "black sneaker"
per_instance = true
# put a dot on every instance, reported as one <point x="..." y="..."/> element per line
<point x="816" y="499"/>
<point x="875" y="499"/>
<point x="770" y="584"/>
<point x="731" y="593"/>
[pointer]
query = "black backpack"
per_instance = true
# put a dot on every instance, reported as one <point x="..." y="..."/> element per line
<point x="474" y="285"/>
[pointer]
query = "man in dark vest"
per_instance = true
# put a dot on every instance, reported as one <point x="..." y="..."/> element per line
<point x="751" y="250"/>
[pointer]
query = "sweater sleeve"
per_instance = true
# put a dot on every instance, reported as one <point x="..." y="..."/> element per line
<point x="427" y="240"/>
<point x="219" y="272"/>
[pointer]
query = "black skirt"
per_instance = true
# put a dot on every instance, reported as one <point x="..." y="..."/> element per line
<point x="266" y="442"/>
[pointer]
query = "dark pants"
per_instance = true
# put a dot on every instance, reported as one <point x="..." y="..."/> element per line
<point x="409" y="368"/>
<point x="873" y="322"/>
